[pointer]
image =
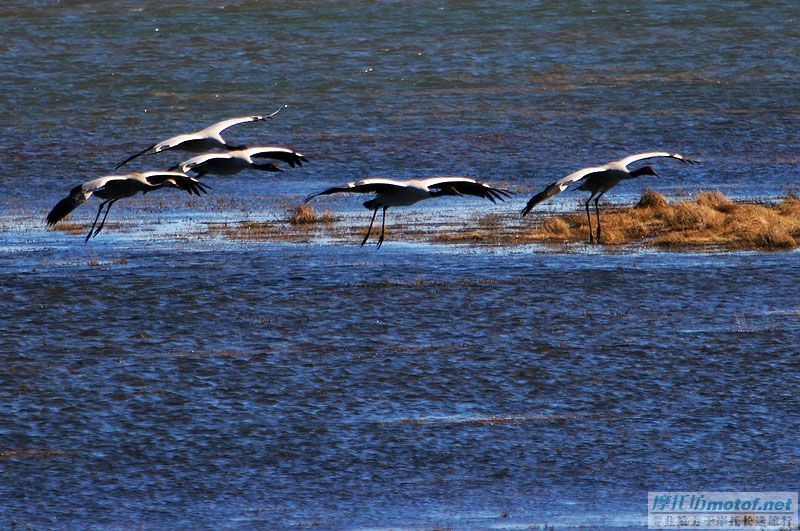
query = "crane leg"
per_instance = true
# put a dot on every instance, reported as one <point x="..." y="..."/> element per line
<point x="108" y="207"/>
<point x="597" y="213"/>
<point x="91" y="229"/>
<point x="589" y="217"/>
<point x="375" y="213"/>
<point x="383" y="228"/>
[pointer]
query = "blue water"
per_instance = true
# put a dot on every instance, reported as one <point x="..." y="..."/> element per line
<point x="162" y="376"/>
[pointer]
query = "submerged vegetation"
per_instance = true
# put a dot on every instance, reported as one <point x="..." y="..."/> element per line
<point x="70" y="227"/>
<point x="302" y="223"/>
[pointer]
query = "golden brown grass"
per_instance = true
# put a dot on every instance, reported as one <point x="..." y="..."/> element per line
<point x="306" y="215"/>
<point x="651" y="199"/>
<point x="711" y="219"/>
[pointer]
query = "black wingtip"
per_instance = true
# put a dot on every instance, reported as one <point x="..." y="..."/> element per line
<point x="197" y="188"/>
<point x="267" y="167"/>
<point x="139" y="154"/>
<point x="535" y="200"/>
<point x="503" y="194"/>
<point x="497" y="194"/>
<point x="65" y="206"/>
<point x="548" y="192"/>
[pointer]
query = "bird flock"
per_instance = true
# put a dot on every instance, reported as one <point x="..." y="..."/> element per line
<point x="387" y="192"/>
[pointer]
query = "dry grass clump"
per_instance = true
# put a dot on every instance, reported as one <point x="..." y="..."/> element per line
<point x="790" y="206"/>
<point x="746" y="226"/>
<point x="717" y="201"/>
<point x="635" y="224"/>
<point x="721" y="222"/>
<point x="556" y="227"/>
<point x="307" y="215"/>
<point x="711" y="219"/>
<point x="685" y="215"/>
<point x="774" y="238"/>
<point x="651" y="199"/>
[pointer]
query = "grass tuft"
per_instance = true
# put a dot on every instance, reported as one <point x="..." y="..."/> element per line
<point x="652" y="199"/>
<point x="307" y="215"/>
<point x="717" y="201"/>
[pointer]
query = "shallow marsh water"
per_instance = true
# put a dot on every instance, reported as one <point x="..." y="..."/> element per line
<point x="161" y="376"/>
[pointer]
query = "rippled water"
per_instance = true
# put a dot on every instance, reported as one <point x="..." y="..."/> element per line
<point x="160" y="377"/>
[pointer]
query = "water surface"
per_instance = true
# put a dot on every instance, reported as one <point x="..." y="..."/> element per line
<point x="162" y="377"/>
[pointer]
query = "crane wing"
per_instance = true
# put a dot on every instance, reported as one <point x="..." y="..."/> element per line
<point x="217" y="128"/>
<point x="283" y="154"/>
<point x="177" y="179"/>
<point x="161" y="146"/>
<point x="194" y="162"/>
<point x="559" y="186"/>
<point x="79" y="194"/>
<point x="652" y="154"/>
<point x="374" y="185"/>
<point x="465" y="186"/>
